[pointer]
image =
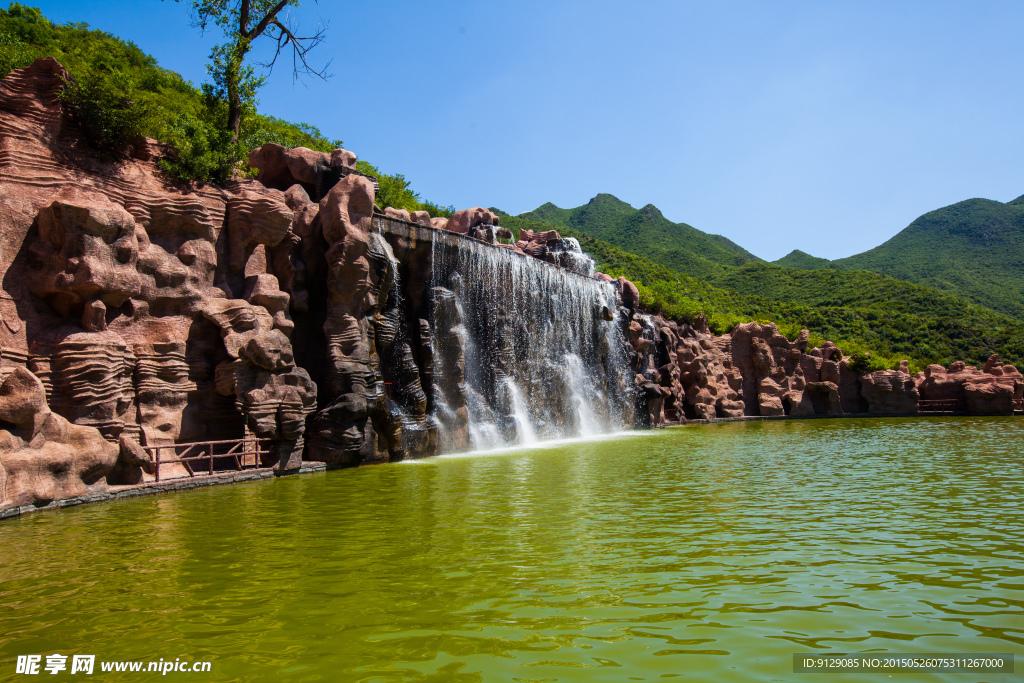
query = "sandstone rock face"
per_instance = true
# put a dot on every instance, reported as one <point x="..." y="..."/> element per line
<point x="993" y="389"/>
<point x="274" y="396"/>
<point x="43" y="457"/>
<point x="255" y="219"/>
<point x="400" y="214"/>
<point x="281" y="168"/>
<point x="361" y="272"/>
<point x="630" y="294"/>
<point x="754" y="370"/>
<point x="87" y="252"/>
<point x="777" y="373"/>
<point x="138" y="314"/>
<point x="107" y="275"/>
<point x="551" y="247"/>
<point x="420" y="217"/>
<point x="989" y="399"/>
<point x="465" y="220"/>
<point x="890" y="391"/>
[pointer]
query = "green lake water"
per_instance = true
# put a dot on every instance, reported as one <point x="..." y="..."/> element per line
<point x="705" y="552"/>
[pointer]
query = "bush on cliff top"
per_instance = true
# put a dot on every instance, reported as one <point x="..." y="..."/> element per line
<point x="109" y="72"/>
<point x="104" y="109"/>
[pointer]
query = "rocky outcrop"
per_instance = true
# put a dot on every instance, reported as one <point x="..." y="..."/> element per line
<point x="757" y="371"/>
<point x="991" y="390"/>
<point x="361" y="272"/>
<point x="890" y="392"/>
<point x="139" y="314"/>
<point x="43" y="457"/>
<point x="316" y="172"/>
<point x="466" y="220"/>
<point x="273" y="395"/>
<point x="989" y="399"/>
<point x="781" y="377"/>
<point x="551" y="247"/>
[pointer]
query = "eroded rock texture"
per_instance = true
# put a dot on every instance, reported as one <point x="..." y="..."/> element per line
<point x="43" y="457"/>
<point x="137" y="313"/>
<point x="315" y="172"/>
<point x="991" y="390"/>
<point x="108" y="271"/>
<point x="890" y="391"/>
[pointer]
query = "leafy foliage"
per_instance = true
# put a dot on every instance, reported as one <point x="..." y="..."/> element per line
<point x="862" y="362"/>
<point x="974" y="249"/>
<point x="102" y="106"/>
<point x="109" y="72"/>
<point x="202" y="151"/>
<point x="648" y="233"/>
<point x="394" y="191"/>
<point x="14" y="54"/>
<point x="892" y="320"/>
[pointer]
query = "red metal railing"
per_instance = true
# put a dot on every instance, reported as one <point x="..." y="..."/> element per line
<point x="241" y="453"/>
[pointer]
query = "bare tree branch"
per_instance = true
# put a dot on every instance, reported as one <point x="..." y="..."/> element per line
<point x="271" y="16"/>
<point x="301" y="46"/>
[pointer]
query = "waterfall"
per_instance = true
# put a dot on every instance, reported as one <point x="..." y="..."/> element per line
<point x="524" y="350"/>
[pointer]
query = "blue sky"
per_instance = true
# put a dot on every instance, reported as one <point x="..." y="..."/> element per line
<point x="823" y="126"/>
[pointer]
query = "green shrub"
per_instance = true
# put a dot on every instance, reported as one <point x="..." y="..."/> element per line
<point x="103" y="108"/>
<point x="862" y="362"/>
<point x="14" y="54"/>
<point x="203" y="151"/>
<point x="258" y="130"/>
<point x="436" y="211"/>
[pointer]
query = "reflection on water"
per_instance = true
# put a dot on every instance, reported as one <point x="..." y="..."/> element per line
<point x="707" y="552"/>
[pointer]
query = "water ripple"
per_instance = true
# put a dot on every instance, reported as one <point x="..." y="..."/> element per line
<point x="712" y="551"/>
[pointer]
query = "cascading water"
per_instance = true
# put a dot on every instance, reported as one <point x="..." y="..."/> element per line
<point x="523" y="350"/>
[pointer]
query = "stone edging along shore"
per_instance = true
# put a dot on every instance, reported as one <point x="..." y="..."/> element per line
<point x="222" y="478"/>
<point x="123" y="492"/>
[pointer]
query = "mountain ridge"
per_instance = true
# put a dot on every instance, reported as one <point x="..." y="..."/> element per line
<point x="646" y="231"/>
<point x="973" y="248"/>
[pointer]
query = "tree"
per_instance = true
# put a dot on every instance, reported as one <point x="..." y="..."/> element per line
<point x="243" y="21"/>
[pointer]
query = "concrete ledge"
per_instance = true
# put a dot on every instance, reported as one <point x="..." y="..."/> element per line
<point x="150" y="488"/>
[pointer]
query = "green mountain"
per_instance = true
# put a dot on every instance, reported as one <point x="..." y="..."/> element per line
<point x="860" y="311"/>
<point x="680" y="270"/>
<point x="647" y="232"/>
<point x="801" y="259"/>
<point x="974" y="249"/>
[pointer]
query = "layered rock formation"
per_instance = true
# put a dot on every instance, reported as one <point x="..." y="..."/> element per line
<point x="137" y="313"/>
<point x="43" y="457"/>
<point x="150" y="313"/>
<point x="992" y="390"/>
<point x="684" y="372"/>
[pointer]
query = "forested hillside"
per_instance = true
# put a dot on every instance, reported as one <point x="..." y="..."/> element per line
<point x="118" y="91"/>
<point x="974" y="249"/>
<point x="867" y="312"/>
<point x="647" y="232"/>
<point x="801" y="259"/>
